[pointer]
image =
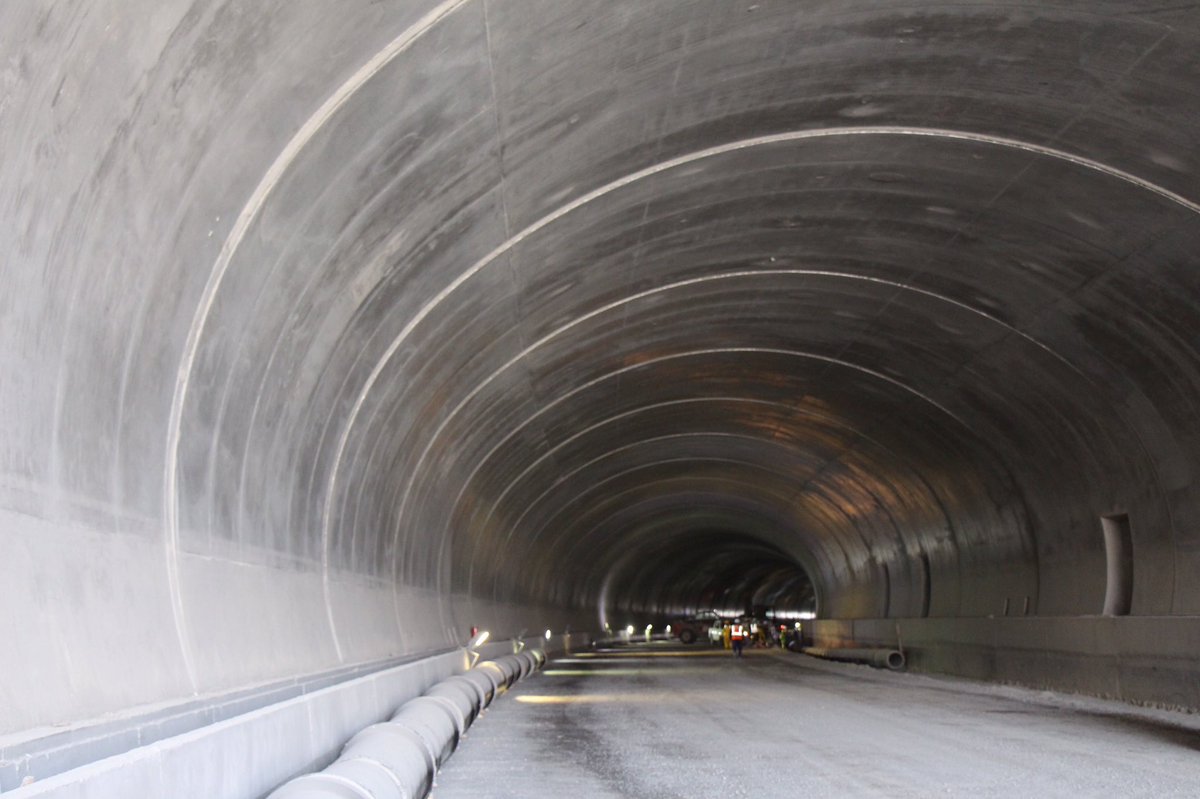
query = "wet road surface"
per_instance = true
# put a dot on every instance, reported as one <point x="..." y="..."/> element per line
<point x="659" y="720"/>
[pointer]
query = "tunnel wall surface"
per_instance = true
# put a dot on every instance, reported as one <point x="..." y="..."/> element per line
<point x="331" y="331"/>
<point x="149" y="551"/>
<point x="1145" y="660"/>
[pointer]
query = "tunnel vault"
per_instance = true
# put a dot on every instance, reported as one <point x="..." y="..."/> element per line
<point x="330" y="333"/>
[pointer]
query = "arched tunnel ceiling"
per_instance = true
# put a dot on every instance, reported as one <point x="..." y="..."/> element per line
<point x="487" y="301"/>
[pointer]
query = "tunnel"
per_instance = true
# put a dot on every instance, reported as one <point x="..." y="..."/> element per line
<point x="333" y="333"/>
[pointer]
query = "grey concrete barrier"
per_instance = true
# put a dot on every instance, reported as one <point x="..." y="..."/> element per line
<point x="880" y="658"/>
<point x="399" y="758"/>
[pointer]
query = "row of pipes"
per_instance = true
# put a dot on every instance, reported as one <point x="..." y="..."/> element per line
<point x="398" y="759"/>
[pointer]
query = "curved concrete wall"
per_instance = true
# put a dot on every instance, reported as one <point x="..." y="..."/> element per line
<point x="331" y="331"/>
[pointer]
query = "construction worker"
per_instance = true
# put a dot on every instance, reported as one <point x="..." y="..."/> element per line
<point x="737" y="635"/>
<point x="725" y="639"/>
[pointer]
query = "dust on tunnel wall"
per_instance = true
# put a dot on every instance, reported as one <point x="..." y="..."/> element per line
<point x="329" y="333"/>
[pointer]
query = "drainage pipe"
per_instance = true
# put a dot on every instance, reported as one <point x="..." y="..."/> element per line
<point x="398" y="758"/>
<point x="880" y="658"/>
<point x="432" y="722"/>
<point x="461" y="699"/>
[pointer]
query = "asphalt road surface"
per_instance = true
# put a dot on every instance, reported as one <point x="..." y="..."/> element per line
<point x="656" y="720"/>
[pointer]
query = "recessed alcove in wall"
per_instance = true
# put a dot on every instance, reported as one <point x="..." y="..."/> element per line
<point x="1118" y="551"/>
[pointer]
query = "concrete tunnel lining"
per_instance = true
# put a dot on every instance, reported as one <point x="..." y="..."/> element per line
<point x="329" y="338"/>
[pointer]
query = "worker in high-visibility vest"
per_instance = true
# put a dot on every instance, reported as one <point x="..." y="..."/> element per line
<point x="737" y="635"/>
<point x="725" y="639"/>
